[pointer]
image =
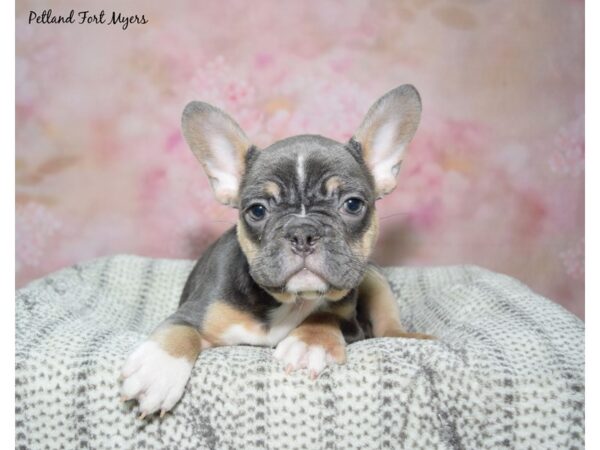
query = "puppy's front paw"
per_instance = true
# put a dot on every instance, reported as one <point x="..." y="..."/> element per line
<point x="302" y="353"/>
<point x="155" y="378"/>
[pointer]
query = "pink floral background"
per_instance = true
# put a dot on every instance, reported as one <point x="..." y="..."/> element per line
<point x="494" y="177"/>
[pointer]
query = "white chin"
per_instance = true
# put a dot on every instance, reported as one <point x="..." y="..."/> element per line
<point x="306" y="283"/>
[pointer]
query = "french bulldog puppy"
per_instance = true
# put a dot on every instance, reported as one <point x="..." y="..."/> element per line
<point x="294" y="273"/>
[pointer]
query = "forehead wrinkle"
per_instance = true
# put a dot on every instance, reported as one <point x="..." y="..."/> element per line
<point x="318" y="169"/>
<point x="278" y="170"/>
<point x="319" y="163"/>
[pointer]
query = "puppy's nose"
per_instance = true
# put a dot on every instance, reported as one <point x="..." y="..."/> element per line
<point x="303" y="239"/>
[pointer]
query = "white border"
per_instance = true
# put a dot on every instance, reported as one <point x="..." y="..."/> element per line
<point x="7" y="233"/>
<point x="7" y="224"/>
<point x="592" y="224"/>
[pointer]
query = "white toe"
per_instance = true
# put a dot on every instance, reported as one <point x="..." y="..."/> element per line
<point x="134" y="362"/>
<point x="172" y="397"/>
<point x="283" y="347"/>
<point x="152" y="400"/>
<point x="295" y="355"/>
<point x="131" y="387"/>
<point x="317" y="360"/>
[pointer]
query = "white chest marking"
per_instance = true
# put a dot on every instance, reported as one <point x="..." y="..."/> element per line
<point x="283" y="320"/>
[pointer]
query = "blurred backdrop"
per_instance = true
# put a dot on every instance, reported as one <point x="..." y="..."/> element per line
<point x="494" y="177"/>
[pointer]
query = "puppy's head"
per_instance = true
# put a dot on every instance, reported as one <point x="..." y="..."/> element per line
<point x="307" y="221"/>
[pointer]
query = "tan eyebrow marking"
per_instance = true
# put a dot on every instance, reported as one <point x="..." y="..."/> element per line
<point x="333" y="184"/>
<point x="272" y="189"/>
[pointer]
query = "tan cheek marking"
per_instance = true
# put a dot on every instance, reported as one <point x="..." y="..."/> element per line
<point x="365" y="246"/>
<point x="180" y="341"/>
<point x="370" y="236"/>
<point x="323" y="329"/>
<point x="249" y="248"/>
<point x="220" y="316"/>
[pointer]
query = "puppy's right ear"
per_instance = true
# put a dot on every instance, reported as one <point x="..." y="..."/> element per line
<point x="220" y="145"/>
<point x="385" y="132"/>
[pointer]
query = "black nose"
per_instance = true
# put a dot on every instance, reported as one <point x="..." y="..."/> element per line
<point x="303" y="238"/>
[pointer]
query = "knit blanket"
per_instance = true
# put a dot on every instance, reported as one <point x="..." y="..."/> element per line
<point x="507" y="370"/>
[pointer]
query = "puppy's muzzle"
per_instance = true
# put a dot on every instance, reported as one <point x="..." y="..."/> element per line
<point x="303" y="237"/>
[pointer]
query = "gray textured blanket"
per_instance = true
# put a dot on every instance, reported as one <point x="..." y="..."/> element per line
<point x="507" y="370"/>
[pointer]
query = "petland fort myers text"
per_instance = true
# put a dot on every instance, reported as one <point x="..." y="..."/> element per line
<point x="47" y="17"/>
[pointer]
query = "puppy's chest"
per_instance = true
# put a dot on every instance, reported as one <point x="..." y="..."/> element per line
<point x="282" y="321"/>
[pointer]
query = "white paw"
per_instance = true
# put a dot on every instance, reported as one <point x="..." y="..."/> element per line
<point x="155" y="378"/>
<point x="295" y="354"/>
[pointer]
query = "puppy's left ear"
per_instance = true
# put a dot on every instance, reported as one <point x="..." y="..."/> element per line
<point x="220" y="145"/>
<point x="385" y="132"/>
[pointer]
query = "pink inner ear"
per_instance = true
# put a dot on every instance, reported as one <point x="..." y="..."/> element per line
<point x="220" y="146"/>
<point x="384" y="143"/>
<point x="384" y="157"/>
<point x="385" y="132"/>
<point x="223" y="167"/>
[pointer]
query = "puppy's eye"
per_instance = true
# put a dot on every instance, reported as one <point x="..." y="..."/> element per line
<point x="353" y="205"/>
<point x="257" y="212"/>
